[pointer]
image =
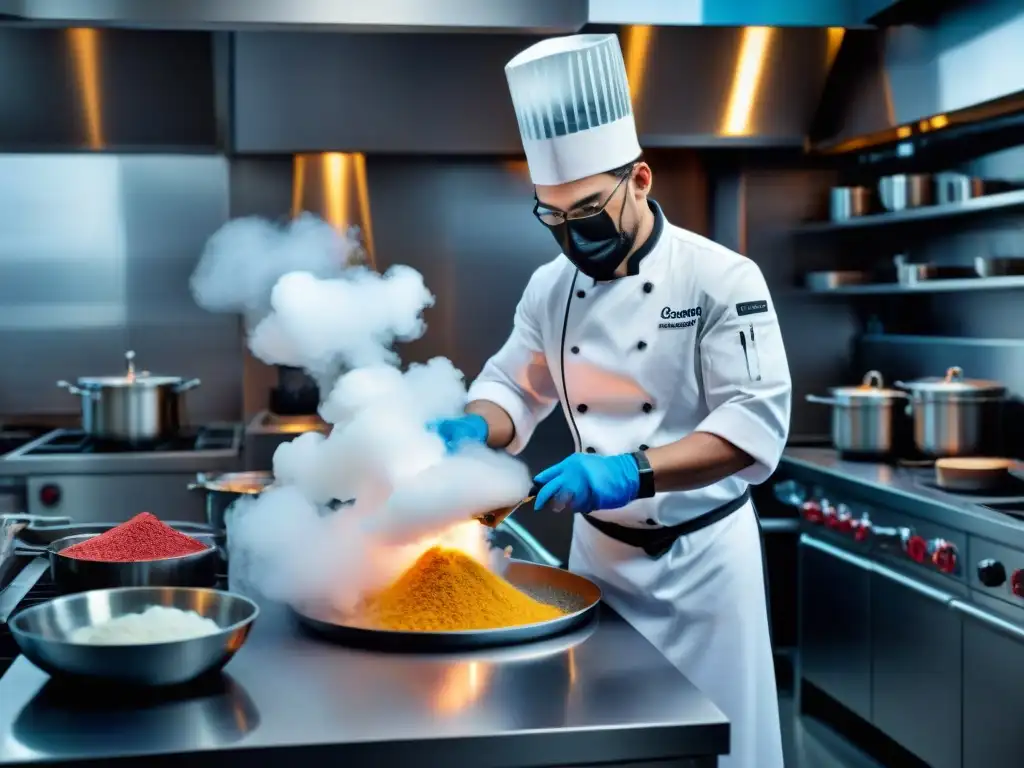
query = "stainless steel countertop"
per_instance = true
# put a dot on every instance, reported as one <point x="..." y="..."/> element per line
<point x="600" y="695"/>
<point x="903" y="488"/>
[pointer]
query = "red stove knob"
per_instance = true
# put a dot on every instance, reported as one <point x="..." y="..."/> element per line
<point x="944" y="556"/>
<point x="49" y="495"/>
<point x="845" y="523"/>
<point x="812" y="512"/>
<point x="861" y="529"/>
<point x="916" y="548"/>
<point x="1017" y="583"/>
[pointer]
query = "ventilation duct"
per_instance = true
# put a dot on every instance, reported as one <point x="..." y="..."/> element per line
<point x="523" y="16"/>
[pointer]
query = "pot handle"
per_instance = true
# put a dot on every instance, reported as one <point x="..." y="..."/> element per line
<point x="200" y="482"/>
<point x="185" y="386"/>
<point x="821" y="400"/>
<point x="72" y="389"/>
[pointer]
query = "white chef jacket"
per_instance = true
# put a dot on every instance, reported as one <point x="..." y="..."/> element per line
<point x="688" y="341"/>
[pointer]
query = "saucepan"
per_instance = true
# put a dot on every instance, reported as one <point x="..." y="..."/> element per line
<point x="865" y="419"/>
<point x="225" y="489"/>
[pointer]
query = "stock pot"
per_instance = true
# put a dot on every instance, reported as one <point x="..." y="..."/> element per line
<point x="866" y="419"/>
<point x="133" y="408"/>
<point x="955" y="416"/>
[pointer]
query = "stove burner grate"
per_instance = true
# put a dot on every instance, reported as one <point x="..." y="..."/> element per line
<point x="73" y="441"/>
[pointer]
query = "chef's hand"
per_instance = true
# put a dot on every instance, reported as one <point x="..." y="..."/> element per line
<point x="588" y="483"/>
<point x="465" y="429"/>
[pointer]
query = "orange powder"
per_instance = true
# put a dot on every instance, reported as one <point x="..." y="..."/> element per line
<point x="446" y="590"/>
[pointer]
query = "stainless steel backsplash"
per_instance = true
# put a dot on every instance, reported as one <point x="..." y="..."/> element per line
<point x="95" y="257"/>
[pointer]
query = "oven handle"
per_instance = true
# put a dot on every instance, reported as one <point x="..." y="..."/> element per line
<point x="990" y="620"/>
<point x="836" y="552"/>
<point x="936" y="595"/>
<point x="888" y="574"/>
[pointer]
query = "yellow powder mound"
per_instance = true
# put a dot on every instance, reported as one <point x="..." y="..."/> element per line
<point x="446" y="590"/>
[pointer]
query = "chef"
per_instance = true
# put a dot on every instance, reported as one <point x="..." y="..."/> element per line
<point x="663" y="349"/>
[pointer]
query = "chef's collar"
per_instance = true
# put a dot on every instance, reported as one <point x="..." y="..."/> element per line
<point x="633" y="262"/>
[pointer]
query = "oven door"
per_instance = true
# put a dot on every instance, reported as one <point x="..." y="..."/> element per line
<point x="916" y="670"/>
<point x="993" y="685"/>
<point x="835" y="623"/>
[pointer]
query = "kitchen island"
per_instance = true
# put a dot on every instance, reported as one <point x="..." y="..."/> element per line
<point x="602" y="695"/>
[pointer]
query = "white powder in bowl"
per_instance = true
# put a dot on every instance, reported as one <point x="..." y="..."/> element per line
<point x="156" y="624"/>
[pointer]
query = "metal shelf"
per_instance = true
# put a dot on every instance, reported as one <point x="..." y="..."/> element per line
<point x="966" y="284"/>
<point x="987" y="203"/>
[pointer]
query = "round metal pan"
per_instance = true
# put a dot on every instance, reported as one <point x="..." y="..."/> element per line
<point x="575" y="594"/>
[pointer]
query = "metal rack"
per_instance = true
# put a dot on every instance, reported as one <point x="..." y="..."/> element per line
<point x="1009" y="282"/>
<point x="985" y="204"/>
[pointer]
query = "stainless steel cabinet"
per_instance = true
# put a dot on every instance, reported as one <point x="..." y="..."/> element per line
<point x="835" y="634"/>
<point x="993" y="694"/>
<point x="916" y="671"/>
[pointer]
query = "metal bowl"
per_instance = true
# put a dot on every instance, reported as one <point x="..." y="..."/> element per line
<point x="225" y="489"/>
<point x="43" y="634"/>
<point x="69" y="574"/>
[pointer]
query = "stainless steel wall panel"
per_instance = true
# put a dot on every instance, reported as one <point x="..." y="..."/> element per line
<point x="105" y="90"/>
<point x="755" y="209"/>
<point x="95" y="260"/>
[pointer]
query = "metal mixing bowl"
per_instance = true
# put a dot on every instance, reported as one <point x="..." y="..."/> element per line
<point x="43" y="634"/>
<point x="70" y="574"/>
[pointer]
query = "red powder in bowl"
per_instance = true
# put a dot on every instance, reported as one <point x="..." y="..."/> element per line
<point x="143" y="537"/>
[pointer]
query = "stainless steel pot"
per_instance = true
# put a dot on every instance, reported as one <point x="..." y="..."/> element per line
<point x="905" y="190"/>
<point x="225" y="489"/>
<point x="865" y="419"/>
<point x="951" y="187"/>
<point x="134" y="408"/>
<point x="954" y="416"/>
<point x="848" y="202"/>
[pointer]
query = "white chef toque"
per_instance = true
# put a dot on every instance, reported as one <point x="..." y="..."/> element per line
<point x="571" y="98"/>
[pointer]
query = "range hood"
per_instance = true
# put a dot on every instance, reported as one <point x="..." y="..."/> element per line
<point x="526" y="16"/>
<point x="523" y="16"/>
<point x="692" y="87"/>
<point x="913" y="81"/>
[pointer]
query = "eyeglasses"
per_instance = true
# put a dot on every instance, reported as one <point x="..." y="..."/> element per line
<point x="552" y="217"/>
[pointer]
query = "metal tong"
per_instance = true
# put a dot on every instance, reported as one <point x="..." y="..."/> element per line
<point x="495" y="517"/>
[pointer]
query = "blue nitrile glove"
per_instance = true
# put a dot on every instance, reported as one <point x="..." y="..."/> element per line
<point x="465" y="429"/>
<point x="588" y="483"/>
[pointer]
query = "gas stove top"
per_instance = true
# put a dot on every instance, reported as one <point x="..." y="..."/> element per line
<point x="63" y="442"/>
<point x="210" y="448"/>
<point x="14" y="437"/>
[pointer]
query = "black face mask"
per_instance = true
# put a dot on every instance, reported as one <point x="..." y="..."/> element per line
<point x="593" y="243"/>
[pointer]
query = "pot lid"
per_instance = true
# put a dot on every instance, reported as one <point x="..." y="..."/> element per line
<point x="872" y="386"/>
<point x="130" y="378"/>
<point x="144" y="380"/>
<point x="953" y="383"/>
